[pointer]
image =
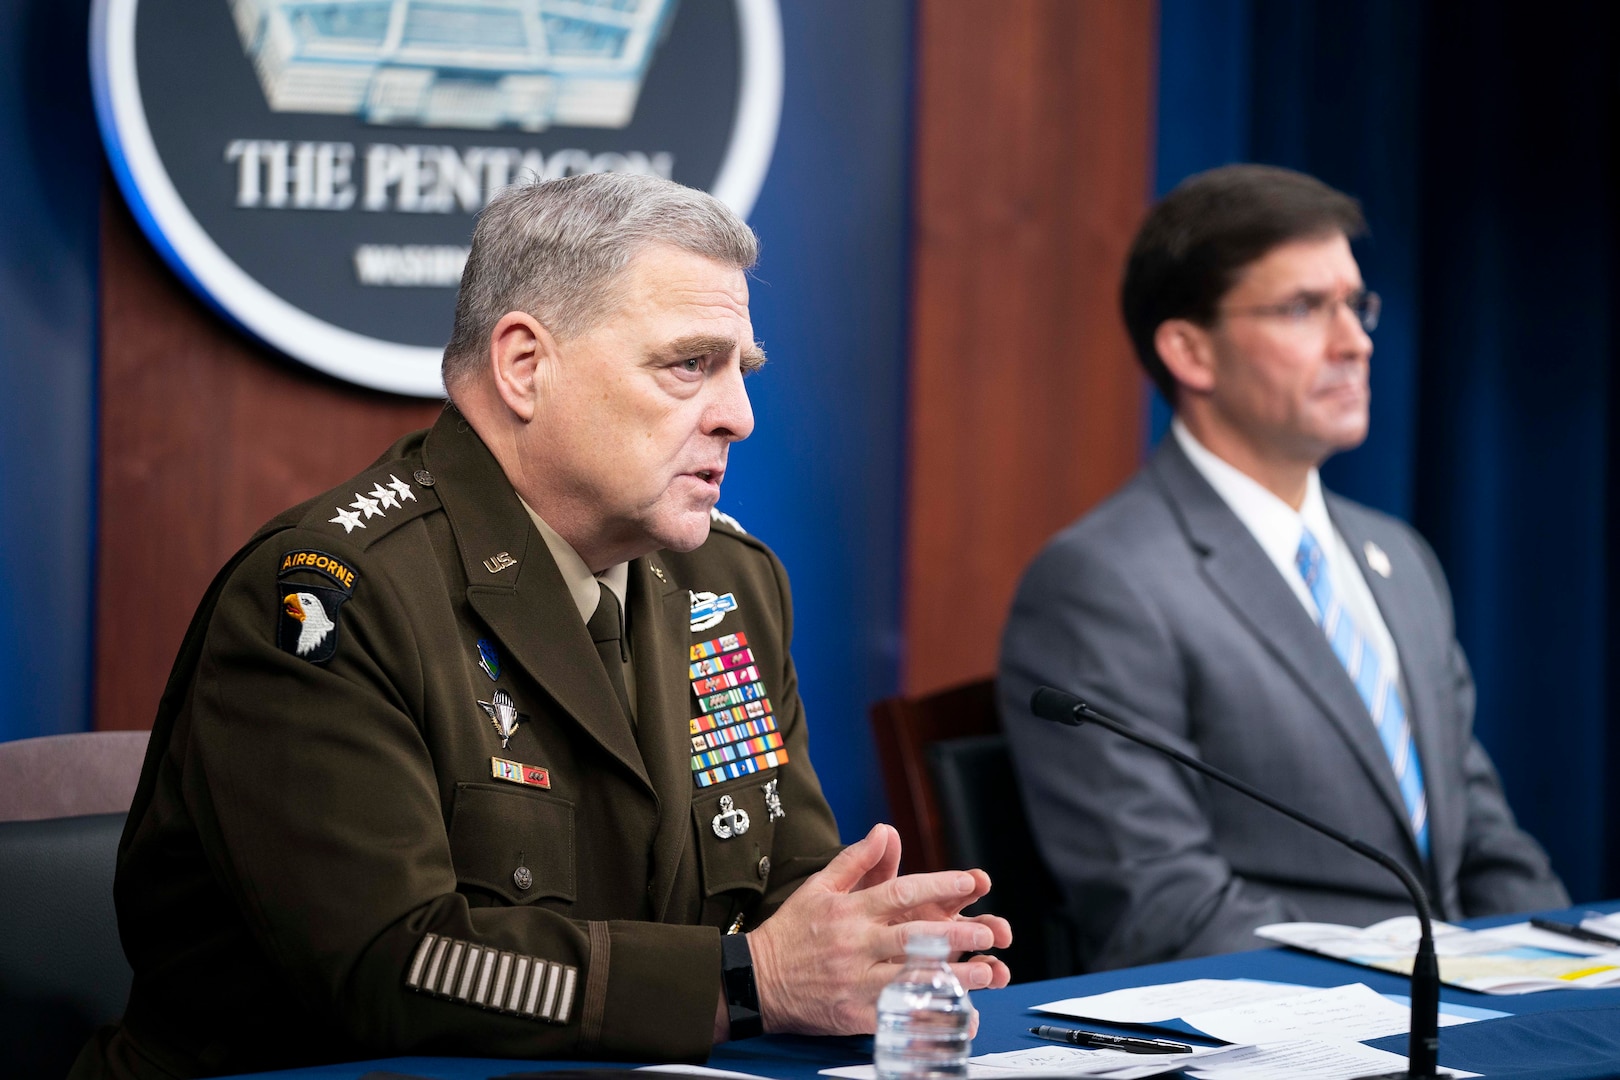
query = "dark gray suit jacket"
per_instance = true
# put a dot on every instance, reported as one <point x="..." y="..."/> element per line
<point x="1161" y="609"/>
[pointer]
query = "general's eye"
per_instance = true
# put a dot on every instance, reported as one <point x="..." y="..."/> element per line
<point x="1305" y="307"/>
<point x="693" y="364"/>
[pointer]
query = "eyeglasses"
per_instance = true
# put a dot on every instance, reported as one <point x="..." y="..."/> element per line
<point x="1318" y="309"/>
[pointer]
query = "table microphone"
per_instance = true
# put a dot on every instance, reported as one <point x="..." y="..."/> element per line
<point x="1424" y="1038"/>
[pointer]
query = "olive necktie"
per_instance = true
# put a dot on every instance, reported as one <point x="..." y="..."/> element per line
<point x="606" y="627"/>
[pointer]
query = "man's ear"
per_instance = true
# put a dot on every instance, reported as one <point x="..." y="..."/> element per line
<point x="1187" y="350"/>
<point x="521" y="352"/>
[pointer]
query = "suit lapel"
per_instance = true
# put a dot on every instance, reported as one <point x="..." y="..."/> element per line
<point x="1398" y="603"/>
<point x="660" y="618"/>
<point x="1246" y="580"/>
<point x="527" y="605"/>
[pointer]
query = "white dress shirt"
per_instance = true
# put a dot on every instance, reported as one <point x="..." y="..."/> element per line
<point x="1277" y="528"/>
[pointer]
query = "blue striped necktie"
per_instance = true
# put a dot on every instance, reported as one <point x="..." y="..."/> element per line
<point x="1378" y="691"/>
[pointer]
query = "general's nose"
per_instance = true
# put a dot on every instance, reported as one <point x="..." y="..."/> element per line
<point x="1350" y="337"/>
<point x="730" y="414"/>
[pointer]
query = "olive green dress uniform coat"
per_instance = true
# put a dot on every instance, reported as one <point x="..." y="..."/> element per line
<point x="319" y="864"/>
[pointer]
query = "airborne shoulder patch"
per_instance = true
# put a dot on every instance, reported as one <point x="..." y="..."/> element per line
<point x="330" y="566"/>
<point x="307" y="621"/>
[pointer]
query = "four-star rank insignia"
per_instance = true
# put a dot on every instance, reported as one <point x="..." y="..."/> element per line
<point x="503" y="713"/>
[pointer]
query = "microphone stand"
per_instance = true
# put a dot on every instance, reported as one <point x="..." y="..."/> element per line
<point x="1423" y="1044"/>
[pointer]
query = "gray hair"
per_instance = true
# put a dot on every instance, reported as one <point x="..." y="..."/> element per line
<point x="555" y="248"/>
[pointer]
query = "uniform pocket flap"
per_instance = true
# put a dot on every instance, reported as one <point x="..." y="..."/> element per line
<point x="517" y="844"/>
<point x="734" y="836"/>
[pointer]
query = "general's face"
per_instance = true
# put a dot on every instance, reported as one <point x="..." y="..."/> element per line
<point x="639" y="412"/>
<point x="1294" y="386"/>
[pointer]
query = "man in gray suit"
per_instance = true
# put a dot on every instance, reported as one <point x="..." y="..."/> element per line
<point x="1228" y="604"/>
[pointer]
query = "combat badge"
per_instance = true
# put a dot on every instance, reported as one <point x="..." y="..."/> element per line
<point x="307" y="625"/>
<point x="708" y="609"/>
<point x="502" y="712"/>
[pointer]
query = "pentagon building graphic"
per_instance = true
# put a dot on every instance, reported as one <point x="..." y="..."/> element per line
<point x="527" y="64"/>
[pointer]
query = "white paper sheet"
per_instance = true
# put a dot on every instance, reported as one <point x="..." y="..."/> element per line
<point x="1355" y="1012"/>
<point x="1054" y="1059"/>
<point x="1156" y="1004"/>
<point x="702" y="1070"/>
<point x="1314" y="1060"/>
<point x="1525" y="934"/>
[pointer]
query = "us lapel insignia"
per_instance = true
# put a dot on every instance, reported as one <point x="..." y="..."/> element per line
<point x="498" y="562"/>
<point x="489" y="659"/>
<point x="773" y="801"/>
<point x="1377" y="559"/>
<point x="658" y="572"/>
<point x="518" y="773"/>
<point x="502" y="712"/>
<point x="708" y="609"/>
<point x="730" y="821"/>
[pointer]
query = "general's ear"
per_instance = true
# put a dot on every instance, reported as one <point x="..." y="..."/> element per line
<point x="520" y="352"/>
<point x="1189" y="353"/>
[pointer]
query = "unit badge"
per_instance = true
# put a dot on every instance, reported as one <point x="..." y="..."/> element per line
<point x="518" y="773"/>
<point x="308" y="622"/>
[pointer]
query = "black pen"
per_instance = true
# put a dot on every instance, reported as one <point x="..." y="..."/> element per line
<point x="1579" y="933"/>
<point x="1096" y="1040"/>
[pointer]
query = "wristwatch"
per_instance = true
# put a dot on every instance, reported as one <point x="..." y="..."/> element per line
<point x="737" y="979"/>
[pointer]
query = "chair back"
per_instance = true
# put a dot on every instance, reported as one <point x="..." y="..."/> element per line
<point x="954" y="799"/>
<point x="55" y="776"/>
<point x="62" y="968"/>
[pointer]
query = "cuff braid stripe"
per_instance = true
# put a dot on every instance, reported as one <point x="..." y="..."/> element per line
<point x="499" y="981"/>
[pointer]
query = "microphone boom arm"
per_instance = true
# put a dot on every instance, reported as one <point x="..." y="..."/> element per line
<point x="1424" y="1038"/>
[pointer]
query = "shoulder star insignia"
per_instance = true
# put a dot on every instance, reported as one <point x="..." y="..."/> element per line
<point x="402" y="487"/>
<point x="716" y="514"/>
<point x="368" y="505"/>
<point x="384" y="496"/>
<point x="348" y="519"/>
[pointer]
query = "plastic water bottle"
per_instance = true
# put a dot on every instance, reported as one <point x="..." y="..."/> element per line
<point x="923" y="1018"/>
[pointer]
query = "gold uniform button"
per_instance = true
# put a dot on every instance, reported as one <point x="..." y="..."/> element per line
<point x="764" y="866"/>
<point x="522" y="878"/>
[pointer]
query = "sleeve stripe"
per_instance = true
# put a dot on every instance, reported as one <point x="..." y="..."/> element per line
<point x="433" y="965"/>
<point x="553" y="977"/>
<point x="467" y="973"/>
<point x="567" y="1001"/>
<point x="473" y="974"/>
<point x="481" y="995"/>
<point x="520" y="972"/>
<point x="414" y="978"/>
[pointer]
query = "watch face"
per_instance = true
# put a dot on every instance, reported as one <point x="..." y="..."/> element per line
<point x="314" y="169"/>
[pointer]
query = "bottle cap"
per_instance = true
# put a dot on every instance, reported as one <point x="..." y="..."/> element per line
<point x="928" y="946"/>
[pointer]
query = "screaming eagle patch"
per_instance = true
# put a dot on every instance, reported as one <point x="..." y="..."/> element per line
<point x="307" y="624"/>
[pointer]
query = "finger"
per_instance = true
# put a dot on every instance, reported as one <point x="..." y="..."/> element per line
<point x="982" y="972"/>
<point x="888" y="866"/>
<point x="938" y="895"/>
<point x="1001" y="928"/>
<point x="849" y="866"/>
<point x="964" y="936"/>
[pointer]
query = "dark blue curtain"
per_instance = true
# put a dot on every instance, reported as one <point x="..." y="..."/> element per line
<point x="50" y="175"/>
<point x="1481" y="140"/>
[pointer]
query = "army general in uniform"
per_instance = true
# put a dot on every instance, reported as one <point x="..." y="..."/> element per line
<point x="486" y="750"/>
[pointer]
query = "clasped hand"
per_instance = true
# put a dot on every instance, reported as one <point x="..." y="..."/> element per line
<point x="822" y="959"/>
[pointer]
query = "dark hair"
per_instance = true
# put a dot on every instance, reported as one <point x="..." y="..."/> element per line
<point x="1200" y="237"/>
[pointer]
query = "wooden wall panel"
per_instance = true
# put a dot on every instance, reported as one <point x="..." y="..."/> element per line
<point x="204" y="436"/>
<point x="1032" y="172"/>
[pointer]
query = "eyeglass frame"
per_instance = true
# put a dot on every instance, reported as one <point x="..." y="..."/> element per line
<point x="1366" y="305"/>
